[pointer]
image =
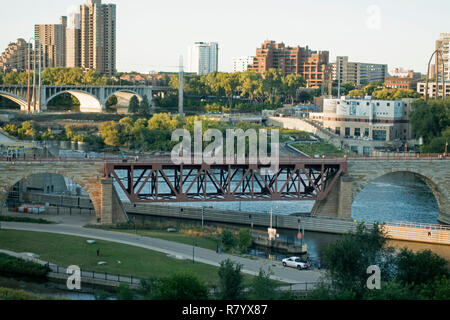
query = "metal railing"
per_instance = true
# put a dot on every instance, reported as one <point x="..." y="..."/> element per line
<point x="427" y="226"/>
<point x="97" y="275"/>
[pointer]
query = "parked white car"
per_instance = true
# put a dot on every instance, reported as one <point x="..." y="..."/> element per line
<point x="294" y="262"/>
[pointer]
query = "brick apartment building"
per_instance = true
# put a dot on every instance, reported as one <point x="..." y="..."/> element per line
<point x="400" y="79"/>
<point x="312" y="65"/>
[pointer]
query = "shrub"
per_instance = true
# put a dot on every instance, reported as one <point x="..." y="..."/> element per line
<point x="16" y="266"/>
<point x="181" y="286"/>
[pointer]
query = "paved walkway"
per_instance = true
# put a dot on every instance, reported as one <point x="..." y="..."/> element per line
<point x="250" y="266"/>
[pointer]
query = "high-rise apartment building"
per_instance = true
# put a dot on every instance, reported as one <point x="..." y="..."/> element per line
<point x="73" y="41"/>
<point x="98" y="37"/>
<point x="52" y="38"/>
<point x="241" y="64"/>
<point x="204" y="58"/>
<point x="312" y="65"/>
<point x="15" y="57"/>
<point x="443" y="45"/>
<point x="357" y="72"/>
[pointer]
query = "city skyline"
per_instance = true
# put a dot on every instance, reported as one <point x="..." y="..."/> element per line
<point x="365" y="38"/>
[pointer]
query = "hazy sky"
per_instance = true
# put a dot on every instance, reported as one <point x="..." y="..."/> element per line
<point x="152" y="34"/>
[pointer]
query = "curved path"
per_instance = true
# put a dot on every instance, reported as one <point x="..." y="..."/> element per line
<point x="249" y="266"/>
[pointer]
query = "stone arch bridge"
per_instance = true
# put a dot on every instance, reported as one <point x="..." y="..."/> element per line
<point x="334" y="196"/>
<point x="92" y="98"/>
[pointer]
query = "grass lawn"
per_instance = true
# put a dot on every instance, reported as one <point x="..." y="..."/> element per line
<point x="320" y="148"/>
<point x="201" y="242"/>
<point x="138" y="262"/>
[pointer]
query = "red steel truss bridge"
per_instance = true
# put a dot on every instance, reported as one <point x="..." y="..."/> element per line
<point x="164" y="181"/>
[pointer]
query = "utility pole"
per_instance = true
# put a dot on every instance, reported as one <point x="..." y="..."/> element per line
<point x="40" y="77"/>
<point x="34" y="77"/>
<point x="181" y="88"/>
<point x="28" y="75"/>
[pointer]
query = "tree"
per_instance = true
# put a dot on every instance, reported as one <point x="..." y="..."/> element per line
<point x="346" y="87"/>
<point x="292" y="83"/>
<point x="262" y="287"/>
<point x="430" y="119"/>
<point x="181" y="286"/>
<point x="230" y="285"/>
<point x="356" y="93"/>
<point x="228" y="239"/>
<point x="272" y="83"/>
<point x="244" y="239"/>
<point x="348" y="259"/>
<point x="250" y="84"/>
<point x="110" y="133"/>
<point x="418" y="268"/>
<point x="134" y="105"/>
<point x="144" y="107"/>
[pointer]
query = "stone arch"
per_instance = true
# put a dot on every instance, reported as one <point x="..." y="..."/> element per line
<point x="15" y="98"/>
<point x="90" y="183"/>
<point x="438" y="194"/>
<point x="88" y="102"/>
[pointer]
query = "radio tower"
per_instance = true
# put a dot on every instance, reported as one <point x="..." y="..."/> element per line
<point x="181" y="88"/>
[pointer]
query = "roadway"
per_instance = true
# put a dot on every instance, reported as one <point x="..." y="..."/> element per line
<point x="174" y="249"/>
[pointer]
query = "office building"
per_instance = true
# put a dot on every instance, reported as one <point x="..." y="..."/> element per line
<point x="357" y="72"/>
<point x="312" y="65"/>
<point x="204" y="58"/>
<point x="15" y="57"/>
<point x="98" y="37"/>
<point x="241" y="64"/>
<point x="52" y="38"/>
<point x="367" y="118"/>
<point x="443" y="45"/>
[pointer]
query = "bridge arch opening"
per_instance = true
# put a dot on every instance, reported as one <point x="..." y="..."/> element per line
<point x="398" y="196"/>
<point x="88" y="102"/>
<point x="64" y="102"/>
<point x="119" y="101"/>
<point x="50" y="194"/>
<point x="11" y="101"/>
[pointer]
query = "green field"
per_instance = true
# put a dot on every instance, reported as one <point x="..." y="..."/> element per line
<point x="320" y="148"/>
<point x="201" y="242"/>
<point x="138" y="262"/>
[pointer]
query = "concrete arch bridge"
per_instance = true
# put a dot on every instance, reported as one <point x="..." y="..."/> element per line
<point x="92" y="98"/>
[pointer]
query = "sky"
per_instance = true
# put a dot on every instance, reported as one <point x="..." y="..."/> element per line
<point x="151" y="35"/>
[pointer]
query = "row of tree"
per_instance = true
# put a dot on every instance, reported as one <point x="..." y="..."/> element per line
<point x="59" y="76"/>
<point x="431" y="122"/>
<point x="272" y="86"/>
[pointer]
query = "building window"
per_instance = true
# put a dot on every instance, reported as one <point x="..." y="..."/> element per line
<point x="379" y="135"/>
<point x="366" y="132"/>
<point x="347" y="132"/>
<point x="338" y="131"/>
<point x="357" y="132"/>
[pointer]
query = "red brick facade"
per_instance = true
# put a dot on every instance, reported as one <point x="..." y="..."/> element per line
<point x="312" y="65"/>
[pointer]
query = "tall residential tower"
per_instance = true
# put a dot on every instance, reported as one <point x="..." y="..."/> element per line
<point x="204" y="58"/>
<point x="98" y="37"/>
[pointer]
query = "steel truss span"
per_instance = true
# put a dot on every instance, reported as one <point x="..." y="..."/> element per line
<point x="167" y="182"/>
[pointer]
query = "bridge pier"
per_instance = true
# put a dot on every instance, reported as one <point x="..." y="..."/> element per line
<point x="338" y="203"/>
<point x="111" y="208"/>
